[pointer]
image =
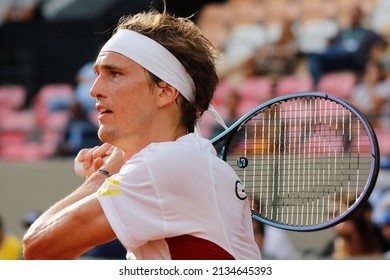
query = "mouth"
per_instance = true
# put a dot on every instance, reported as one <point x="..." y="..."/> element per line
<point x="103" y="110"/>
<point x="103" y="113"/>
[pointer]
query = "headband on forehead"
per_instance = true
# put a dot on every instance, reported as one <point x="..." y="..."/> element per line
<point x="153" y="57"/>
<point x="159" y="61"/>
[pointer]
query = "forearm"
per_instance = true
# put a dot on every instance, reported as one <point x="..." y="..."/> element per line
<point x="48" y="238"/>
<point x="76" y="223"/>
<point x="91" y="185"/>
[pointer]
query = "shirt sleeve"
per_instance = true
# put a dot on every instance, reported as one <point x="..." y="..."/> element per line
<point x="131" y="205"/>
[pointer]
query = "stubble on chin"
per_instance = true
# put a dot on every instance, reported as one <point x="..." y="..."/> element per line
<point x="106" y="136"/>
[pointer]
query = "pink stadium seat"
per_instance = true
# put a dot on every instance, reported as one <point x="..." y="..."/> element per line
<point x="383" y="137"/>
<point x="245" y="106"/>
<point x="224" y="88"/>
<point x="52" y="132"/>
<point x="293" y="84"/>
<point x="18" y="121"/>
<point x="12" y="97"/>
<point x="50" y="91"/>
<point x="11" y="137"/>
<point x="17" y="147"/>
<point x="339" y="84"/>
<point x="254" y="91"/>
<point x="257" y="89"/>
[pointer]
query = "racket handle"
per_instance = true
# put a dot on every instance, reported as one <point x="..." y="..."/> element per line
<point x="84" y="172"/>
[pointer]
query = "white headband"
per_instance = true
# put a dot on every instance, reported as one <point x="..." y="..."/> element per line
<point x="154" y="58"/>
<point x="159" y="61"/>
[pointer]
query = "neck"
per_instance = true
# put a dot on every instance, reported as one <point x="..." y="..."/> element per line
<point x="157" y="132"/>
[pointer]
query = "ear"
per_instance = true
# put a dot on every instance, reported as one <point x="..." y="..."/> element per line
<point x="167" y="95"/>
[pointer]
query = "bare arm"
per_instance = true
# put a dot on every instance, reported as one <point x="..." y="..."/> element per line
<point x="70" y="227"/>
<point x="74" y="224"/>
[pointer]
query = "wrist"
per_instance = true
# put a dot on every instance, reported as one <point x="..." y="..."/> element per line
<point x="104" y="172"/>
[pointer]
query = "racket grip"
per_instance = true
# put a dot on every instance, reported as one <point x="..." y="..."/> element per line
<point x="84" y="172"/>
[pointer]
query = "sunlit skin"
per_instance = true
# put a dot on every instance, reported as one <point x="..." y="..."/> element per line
<point x="132" y="112"/>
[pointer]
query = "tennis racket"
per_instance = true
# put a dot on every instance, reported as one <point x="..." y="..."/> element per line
<point x="307" y="160"/>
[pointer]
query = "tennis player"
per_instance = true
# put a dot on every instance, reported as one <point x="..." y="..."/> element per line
<point x="163" y="192"/>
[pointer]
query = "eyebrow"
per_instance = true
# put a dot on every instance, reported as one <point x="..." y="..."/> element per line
<point x="109" y="67"/>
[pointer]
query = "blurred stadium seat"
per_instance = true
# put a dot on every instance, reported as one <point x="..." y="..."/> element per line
<point x="253" y="92"/>
<point x="12" y="96"/>
<point x="257" y="88"/>
<point x="222" y="91"/>
<point x="383" y="137"/>
<point x="32" y="134"/>
<point x="23" y="121"/>
<point x="293" y="84"/>
<point x="339" y="84"/>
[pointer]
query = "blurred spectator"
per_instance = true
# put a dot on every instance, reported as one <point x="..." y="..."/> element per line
<point x="80" y="132"/>
<point x="259" y="232"/>
<point x="277" y="58"/>
<point x="372" y="93"/>
<point x="60" y="103"/>
<point x="273" y="59"/>
<point x="112" y="250"/>
<point x="273" y="242"/>
<point x="30" y="218"/>
<point x="384" y="224"/>
<point x="277" y="244"/>
<point x="84" y="80"/>
<point x="21" y="11"/>
<point x="357" y="237"/>
<point x="349" y="50"/>
<point x="381" y="217"/>
<point x="215" y="22"/>
<point x="10" y="245"/>
<point x="241" y="45"/>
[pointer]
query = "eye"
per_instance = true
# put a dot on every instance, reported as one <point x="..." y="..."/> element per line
<point x="115" y="74"/>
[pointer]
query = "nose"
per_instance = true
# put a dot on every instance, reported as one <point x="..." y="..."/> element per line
<point x="92" y="91"/>
<point x="96" y="90"/>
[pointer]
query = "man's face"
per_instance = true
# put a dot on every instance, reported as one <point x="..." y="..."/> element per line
<point x="125" y="99"/>
<point x="356" y="16"/>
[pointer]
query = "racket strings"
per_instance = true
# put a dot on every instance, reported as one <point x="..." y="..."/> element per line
<point x="308" y="153"/>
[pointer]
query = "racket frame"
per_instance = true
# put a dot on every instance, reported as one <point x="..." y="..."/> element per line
<point x="227" y="136"/>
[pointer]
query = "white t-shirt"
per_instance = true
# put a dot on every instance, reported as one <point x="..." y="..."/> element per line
<point x="171" y="195"/>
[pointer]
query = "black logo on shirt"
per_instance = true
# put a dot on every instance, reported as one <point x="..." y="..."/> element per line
<point x="240" y="191"/>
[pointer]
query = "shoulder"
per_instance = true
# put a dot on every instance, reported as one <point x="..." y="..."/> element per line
<point x="186" y="147"/>
<point x="375" y="36"/>
<point x="188" y="152"/>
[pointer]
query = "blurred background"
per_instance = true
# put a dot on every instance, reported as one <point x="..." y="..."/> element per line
<point x="270" y="48"/>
